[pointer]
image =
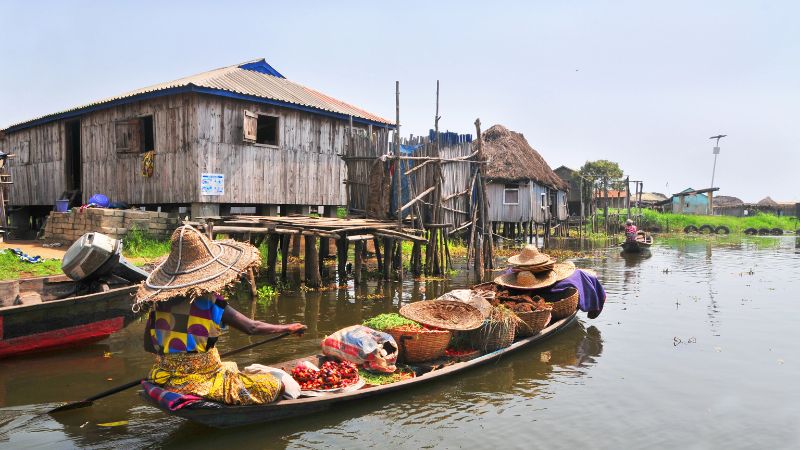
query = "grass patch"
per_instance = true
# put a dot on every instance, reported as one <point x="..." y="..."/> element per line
<point x="677" y="222"/>
<point x="138" y="244"/>
<point x="12" y="268"/>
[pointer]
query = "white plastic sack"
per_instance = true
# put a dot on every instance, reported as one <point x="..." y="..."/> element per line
<point x="291" y="388"/>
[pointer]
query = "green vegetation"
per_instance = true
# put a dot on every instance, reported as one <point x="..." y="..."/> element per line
<point x="138" y="244"/>
<point x="12" y="268"/>
<point x="669" y="222"/>
<point x="266" y="295"/>
<point x="341" y="212"/>
<point x="388" y="321"/>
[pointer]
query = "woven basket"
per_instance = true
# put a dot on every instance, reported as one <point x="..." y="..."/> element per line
<point x="491" y="336"/>
<point x="534" y="321"/>
<point x="420" y="345"/>
<point x="564" y="304"/>
<point x="444" y="314"/>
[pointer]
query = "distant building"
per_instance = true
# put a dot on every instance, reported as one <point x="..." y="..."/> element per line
<point x="575" y="185"/>
<point x="616" y="198"/>
<point x="650" y="199"/>
<point x="690" y="201"/>
<point x="725" y="205"/>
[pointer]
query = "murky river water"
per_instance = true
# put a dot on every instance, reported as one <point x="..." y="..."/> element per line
<point x="696" y="348"/>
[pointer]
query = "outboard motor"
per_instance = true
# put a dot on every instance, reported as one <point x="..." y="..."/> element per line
<point x="96" y="256"/>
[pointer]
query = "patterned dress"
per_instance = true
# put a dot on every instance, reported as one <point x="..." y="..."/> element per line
<point x="183" y="334"/>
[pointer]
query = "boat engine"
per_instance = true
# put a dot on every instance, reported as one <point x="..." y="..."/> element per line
<point x="97" y="258"/>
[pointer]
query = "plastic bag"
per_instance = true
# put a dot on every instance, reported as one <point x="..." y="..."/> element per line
<point x="374" y="350"/>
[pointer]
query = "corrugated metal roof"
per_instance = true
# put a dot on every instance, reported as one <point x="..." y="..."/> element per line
<point x="251" y="79"/>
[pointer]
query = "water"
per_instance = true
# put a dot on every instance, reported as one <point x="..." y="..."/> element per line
<point x="696" y="349"/>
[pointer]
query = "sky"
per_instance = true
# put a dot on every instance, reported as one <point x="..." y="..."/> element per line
<point x="642" y="83"/>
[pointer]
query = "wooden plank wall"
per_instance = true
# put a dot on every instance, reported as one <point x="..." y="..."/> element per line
<point x="304" y="169"/>
<point x="498" y="212"/>
<point x="456" y="179"/>
<point x="38" y="170"/>
<point x="359" y="155"/>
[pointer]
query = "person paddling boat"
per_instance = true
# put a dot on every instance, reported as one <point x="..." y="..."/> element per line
<point x="187" y="314"/>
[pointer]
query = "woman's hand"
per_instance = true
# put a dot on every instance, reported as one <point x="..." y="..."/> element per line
<point x="296" y="328"/>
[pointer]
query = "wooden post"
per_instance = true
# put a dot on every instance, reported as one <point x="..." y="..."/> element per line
<point x="341" y="247"/>
<point x="416" y="259"/>
<point x="313" y="277"/>
<point x="628" y="194"/>
<point x="377" y="244"/>
<point x="605" y="203"/>
<point x="251" y="279"/>
<point x="388" y="252"/>
<point x="359" y="261"/>
<point x="284" y="256"/>
<point x="398" y="173"/>
<point x="272" y="257"/>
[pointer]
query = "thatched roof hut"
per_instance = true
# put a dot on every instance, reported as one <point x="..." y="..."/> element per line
<point x="727" y="201"/>
<point x="768" y="202"/>
<point x="512" y="159"/>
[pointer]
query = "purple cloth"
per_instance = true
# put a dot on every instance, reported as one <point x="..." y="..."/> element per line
<point x="591" y="295"/>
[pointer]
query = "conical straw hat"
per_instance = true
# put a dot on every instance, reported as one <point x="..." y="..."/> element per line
<point x="529" y="256"/>
<point x="197" y="266"/>
<point x="526" y="280"/>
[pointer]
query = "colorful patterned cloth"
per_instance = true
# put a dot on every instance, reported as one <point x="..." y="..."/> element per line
<point x="205" y="375"/>
<point x="186" y="326"/>
<point x="630" y="233"/>
<point x="172" y="401"/>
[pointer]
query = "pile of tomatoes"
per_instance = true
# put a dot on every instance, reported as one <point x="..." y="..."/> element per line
<point x="332" y="375"/>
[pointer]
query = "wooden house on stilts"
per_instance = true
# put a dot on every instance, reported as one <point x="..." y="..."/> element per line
<point x="523" y="192"/>
<point x="239" y="136"/>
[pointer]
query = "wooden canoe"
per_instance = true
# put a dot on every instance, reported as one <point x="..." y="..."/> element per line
<point x="638" y="245"/>
<point x="224" y="416"/>
<point x="57" y="313"/>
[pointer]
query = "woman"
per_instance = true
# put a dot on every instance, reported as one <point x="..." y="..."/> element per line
<point x="187" y="316"/>
<point x="630" y="231"/>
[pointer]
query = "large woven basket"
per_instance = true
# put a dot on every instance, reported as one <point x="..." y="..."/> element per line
<point x="444" y="314"/>
<point x="564" y="304"/>
<point x="533" y="322"/>
<point x="420" y="345"/>
<point x="491" y="336"/>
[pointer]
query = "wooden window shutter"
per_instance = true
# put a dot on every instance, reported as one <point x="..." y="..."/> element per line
<point x="128" y="136"/>
<point x="250" y="127"/>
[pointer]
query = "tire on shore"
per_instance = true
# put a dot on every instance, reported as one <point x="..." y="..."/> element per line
<point x="722" y="229"/>
<point x="690" y="229"/>
<point x="705" y="228"/>
<point x="764" y="231"/>
<point x="776" y="231"/>
<point x="750" y="231"/>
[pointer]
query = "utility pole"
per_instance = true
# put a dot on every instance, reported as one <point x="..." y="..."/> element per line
<point x="716" y="153"/>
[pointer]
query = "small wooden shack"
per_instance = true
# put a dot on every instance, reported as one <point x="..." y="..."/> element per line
<point x="522" y="188"/>
<point x="241" y="135"/>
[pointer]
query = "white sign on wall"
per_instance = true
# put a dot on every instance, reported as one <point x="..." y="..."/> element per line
<point x="212" y="184"/>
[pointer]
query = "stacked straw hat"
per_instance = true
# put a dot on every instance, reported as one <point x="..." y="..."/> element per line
<point x="197" y="266"/>
<point x="534" y="270"/>
<point x="531" y="260"/>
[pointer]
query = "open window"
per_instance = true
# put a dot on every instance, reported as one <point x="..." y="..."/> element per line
<point x="260" y="128"/>
<point x="134" y="135"/>
<point x="511" y="195"/>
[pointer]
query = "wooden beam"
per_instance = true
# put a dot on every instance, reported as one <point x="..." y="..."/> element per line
<point x="418" y="198"/>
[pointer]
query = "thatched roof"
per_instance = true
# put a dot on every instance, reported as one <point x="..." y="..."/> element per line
<point x="767" y="201"/>
<point x="511" y="159"/>
<point x="727" y="201"/>
<point x="653" y="197"/>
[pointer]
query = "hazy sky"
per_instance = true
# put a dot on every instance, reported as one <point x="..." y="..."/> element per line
<point x="641" y="83"/>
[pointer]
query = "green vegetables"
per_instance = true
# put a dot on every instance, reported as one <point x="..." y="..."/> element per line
<point x="384" y="322"/>
<point x="378" y="379"/>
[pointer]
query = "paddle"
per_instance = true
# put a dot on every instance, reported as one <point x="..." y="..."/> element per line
<point x="88" y="401"/>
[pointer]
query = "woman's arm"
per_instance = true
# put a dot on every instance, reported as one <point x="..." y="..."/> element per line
<point x="247" y="325"/>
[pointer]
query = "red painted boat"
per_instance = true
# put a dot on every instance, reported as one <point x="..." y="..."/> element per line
<point x="56" y="312"/>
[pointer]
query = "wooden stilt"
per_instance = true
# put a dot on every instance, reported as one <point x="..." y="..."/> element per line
<point x="296" y="245"/>
<point x="377" y="243"/>
<point x="251" y="279"/>
<point x="416" y="259"/>
<point x="359" y="262"/>
<point x="388" y="246"/>
<point x="341" y="268"/>
<point x="272" y="256"/>
<point x="284" y="257"/>
<point x="313" y="277"/>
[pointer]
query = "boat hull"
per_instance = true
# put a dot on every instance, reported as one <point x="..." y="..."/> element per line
<point x="226" y="416"/>
<point x="68" y="322"/>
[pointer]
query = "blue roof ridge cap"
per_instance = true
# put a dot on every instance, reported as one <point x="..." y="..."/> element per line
<point x="262" y="66"/>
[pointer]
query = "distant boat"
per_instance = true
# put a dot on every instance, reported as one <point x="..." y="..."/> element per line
<point x="642" y="242"/>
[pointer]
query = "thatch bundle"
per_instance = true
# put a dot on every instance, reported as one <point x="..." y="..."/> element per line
<point x="511" y="159"/>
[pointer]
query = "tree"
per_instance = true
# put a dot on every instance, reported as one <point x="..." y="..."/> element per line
<point x="602" y="168"/>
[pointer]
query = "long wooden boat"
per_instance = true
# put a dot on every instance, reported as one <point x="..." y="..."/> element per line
<point x="638" y="245"/>
<point x="57" y="312"/>
<point x="218" y="415"/>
